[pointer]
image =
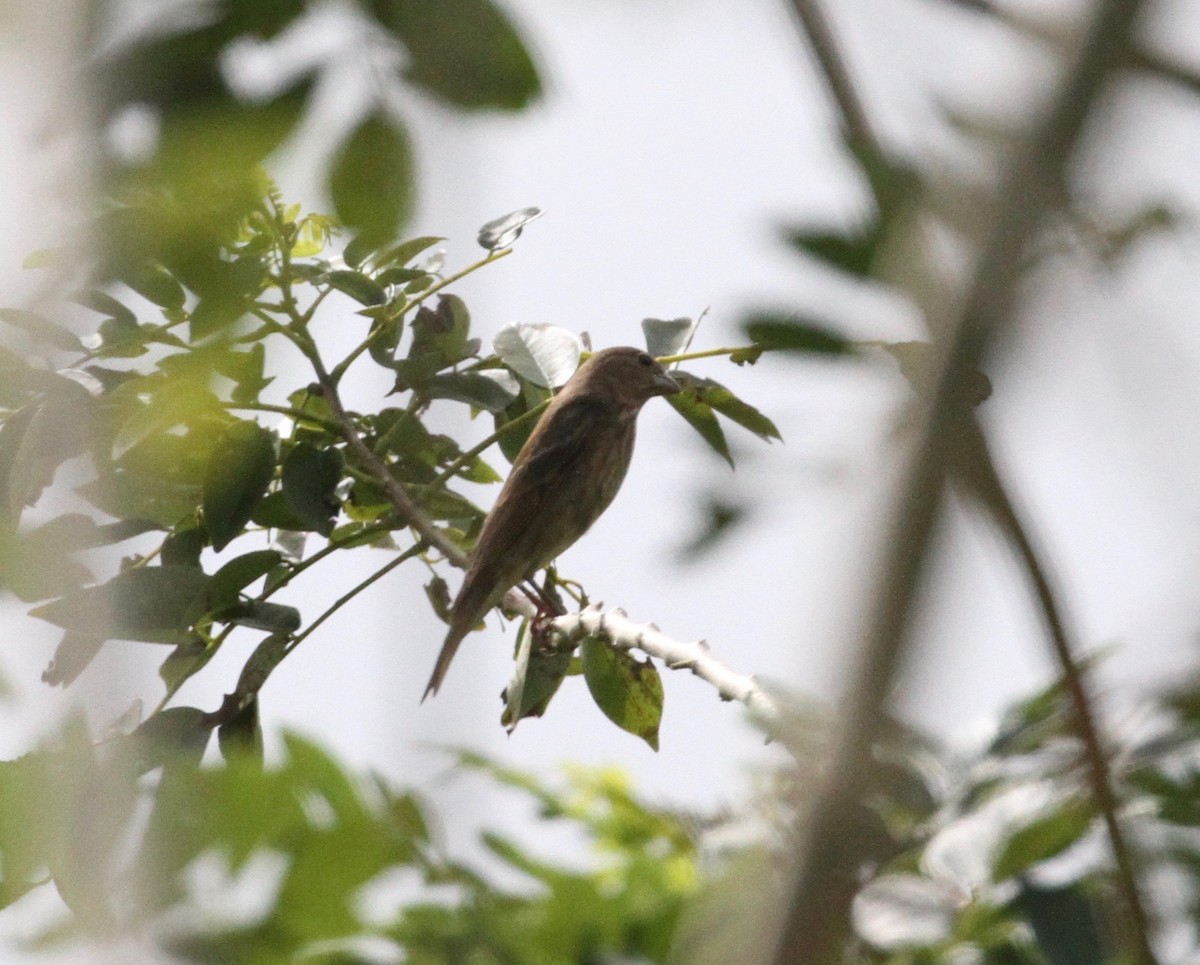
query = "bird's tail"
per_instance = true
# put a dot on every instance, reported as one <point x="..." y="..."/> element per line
<point x="449" y="649"/>
<point x="469" y="607"/>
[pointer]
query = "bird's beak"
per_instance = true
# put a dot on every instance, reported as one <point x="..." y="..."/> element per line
<point x="665" y="385"/>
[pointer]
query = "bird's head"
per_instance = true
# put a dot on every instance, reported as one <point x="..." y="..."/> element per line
<point x="628" y="376"/>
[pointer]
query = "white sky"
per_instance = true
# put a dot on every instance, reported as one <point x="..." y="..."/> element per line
<point x="674" y="139"/>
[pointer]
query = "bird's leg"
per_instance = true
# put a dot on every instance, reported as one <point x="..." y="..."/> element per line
<point x="548" y="606"/>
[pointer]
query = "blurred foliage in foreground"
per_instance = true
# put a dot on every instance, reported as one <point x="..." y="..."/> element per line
<point x="995" y="857"/>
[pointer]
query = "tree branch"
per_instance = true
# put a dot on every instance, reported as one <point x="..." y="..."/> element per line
<point x="977" y="471"/>
<point x="408" y="510"/>
<point x="615" y="627"/>
<point x="817" y="917"/>
<point x="819" y="35"/>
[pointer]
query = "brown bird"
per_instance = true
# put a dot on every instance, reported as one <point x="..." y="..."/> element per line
<point x="563" y="478"/>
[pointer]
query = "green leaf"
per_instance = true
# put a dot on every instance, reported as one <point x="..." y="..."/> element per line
<point x="1043" y="838"/>
<point x="537" y="675"/>
<point x="241" y="736"/>
<point x="156" y="284"/>
<point x="358" y="286"/>
<point x="239" y="472"/>
<point x="239" y="573"/>
<point x="72" y="655"/>
<point x="444" y="504"/>
<point x="1068" y="928"/>
<point x="721" y="400"/>
<point x="371" y="179"/>
<point x="777" y="332"/>
<point x="246" y="370"/>
<point x="105" y="304"/>
<point x="628" y="691"/>
<point x="405" y="252"/>
<point x="473" y="388"/>
<point x="700" y="416"/>
<point x="261" y="615"/>
<point x="851" y="253"/>
<point x="185" y="660"/>
<point x="39" y="438"/>
<point x="464" y="51"/>
<point x="42" y="328"/>
<point x="153" y="604"/>
<point x="512" y="439"/>
<point x="309" y="478"/>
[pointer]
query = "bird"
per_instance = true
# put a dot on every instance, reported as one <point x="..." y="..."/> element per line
<point x="564" y="477"/>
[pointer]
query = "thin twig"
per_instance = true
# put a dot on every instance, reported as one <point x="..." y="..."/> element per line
<point x="817" y="916"/>
<point x="977" y="471"/>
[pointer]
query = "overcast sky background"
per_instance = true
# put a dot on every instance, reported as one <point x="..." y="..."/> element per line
<point x="674" y="140"/>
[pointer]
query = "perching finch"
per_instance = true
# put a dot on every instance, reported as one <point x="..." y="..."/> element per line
<point x="563" y="478"/>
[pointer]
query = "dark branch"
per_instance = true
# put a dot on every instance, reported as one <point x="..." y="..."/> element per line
<point x="817" y="917"/>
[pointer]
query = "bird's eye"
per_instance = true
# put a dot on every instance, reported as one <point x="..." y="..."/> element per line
<point x="645" y="359"/>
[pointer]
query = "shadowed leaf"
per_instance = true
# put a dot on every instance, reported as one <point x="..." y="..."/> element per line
<point x="240" y="470"/>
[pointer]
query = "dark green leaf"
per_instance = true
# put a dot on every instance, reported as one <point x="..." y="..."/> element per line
<point x="721" y="400"/>
<point x="1043" y="838"/>
<point x="439" y="597"/>
<point x="74" y="652"/>
<point x="184" y="546"/>
<point x="246" y="370"/>
<point x="537" y="676"/>
<point x="700" y="416"/>
<point x="154" y="604"/>
<point x="512" y="439"/>
<point x="406" y="251"/>
<point x="309" y="478"/>
<point x="782" y="333"/>
<point x="358" y="286"/>
<point x="178" y="734"/>
<point x="259" y="615"/>
<point x="239" y="573"/>
<point x="156" y="284"/>
<point x="400" y="276"/>
<point x="464" y="51"/>
<point x="628" y="691"/>
<point x="185" y="660"/>
<point x="275" y="512"/>
<point x="36" y="440"/>
<point x="439" y="503"/>
<point x="105" y="304"/>
<point x="851" y="253"/>
<point x="472" y="388"/>
<point x="241" y="736"/>
<point x="239" y="472"/>
<point x="42" y="328"/>
<point x="1068" y="929"/>
<point x="371" y="180"/>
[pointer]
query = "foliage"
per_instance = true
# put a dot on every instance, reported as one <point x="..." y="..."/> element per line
<point x="156" y="399"/>
<point x="309" y="863"/>
<point x="994" y="856"/>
